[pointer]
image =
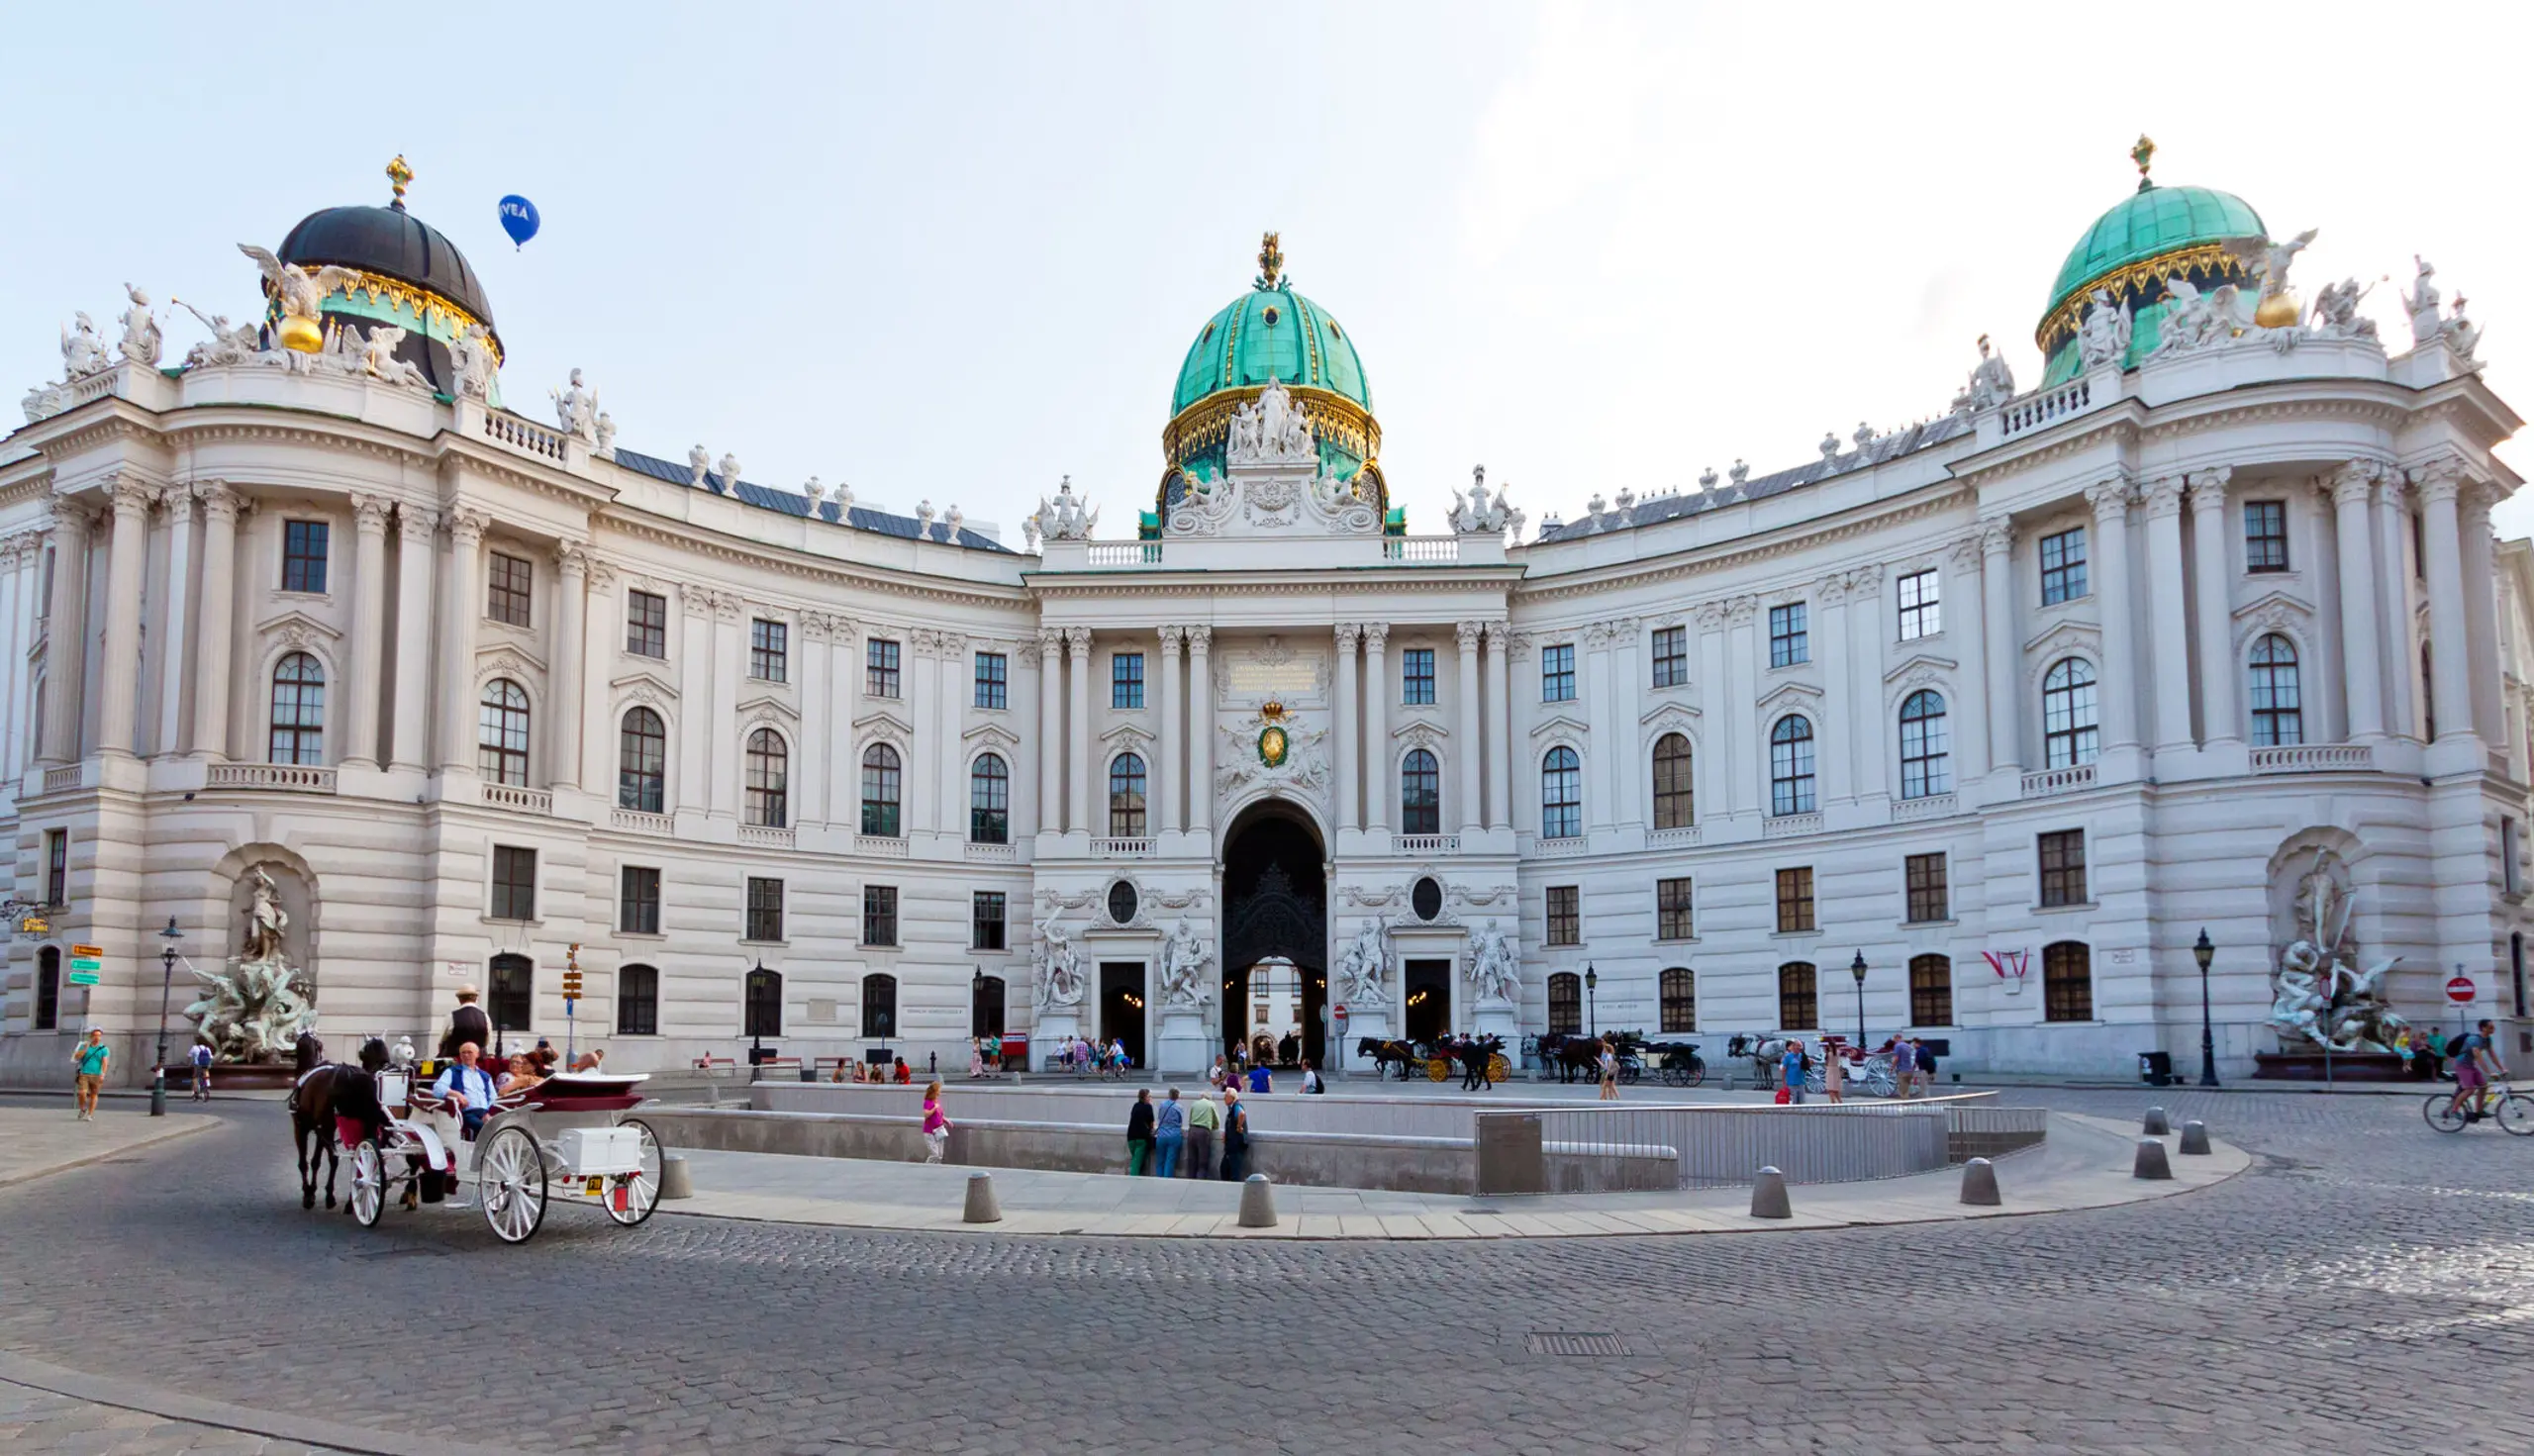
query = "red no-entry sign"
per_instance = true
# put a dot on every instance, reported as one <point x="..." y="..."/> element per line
<point x="2459" y="990"/>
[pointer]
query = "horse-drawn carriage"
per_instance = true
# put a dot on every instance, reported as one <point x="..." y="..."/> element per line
<point x="1481" y="1059"/>
<point x="568" y="1137"/>
<point x="1860" y="1070"/>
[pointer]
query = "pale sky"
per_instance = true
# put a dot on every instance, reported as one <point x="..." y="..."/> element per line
<point x="956" y="252"/>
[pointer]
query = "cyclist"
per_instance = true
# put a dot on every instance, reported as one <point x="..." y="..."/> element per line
<point x="2476" y="1064"/>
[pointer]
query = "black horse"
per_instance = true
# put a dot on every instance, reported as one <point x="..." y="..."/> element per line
<point x="1384" y="1052"/>
<point x="325" y="1092"/>
<point x="1477" y="1055"/>
<point x="1570" y="1053"/>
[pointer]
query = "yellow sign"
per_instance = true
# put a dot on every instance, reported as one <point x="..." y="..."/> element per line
<point x="35" y="925"/>
<point x="88" y="951"/>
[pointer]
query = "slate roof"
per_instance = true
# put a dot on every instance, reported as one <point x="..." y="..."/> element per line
<point x="1691" y="503"/>
<point x="793" y="503"/>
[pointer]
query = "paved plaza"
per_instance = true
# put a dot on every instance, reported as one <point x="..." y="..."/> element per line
<point x="2365" y="1286"/>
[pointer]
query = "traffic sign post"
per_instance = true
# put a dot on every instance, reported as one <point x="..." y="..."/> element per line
<point x="571" y="1001"/>
<point x="87" y="964"/>
<point x="2459" y="990"/>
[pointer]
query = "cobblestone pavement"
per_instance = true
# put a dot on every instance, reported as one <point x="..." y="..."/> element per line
<point x="36" y="1422"/>
<point x="2369" y="1286"/>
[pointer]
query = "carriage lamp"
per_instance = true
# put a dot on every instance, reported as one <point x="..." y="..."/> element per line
<point x="1593" y="1003"/>
<point x="1856" y="968"/>
<point x="166" y="979"/>
<point x="2203" y="952"/>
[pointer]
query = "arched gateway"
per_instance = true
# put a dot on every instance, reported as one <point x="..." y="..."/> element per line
<point x="1274" y="910"/>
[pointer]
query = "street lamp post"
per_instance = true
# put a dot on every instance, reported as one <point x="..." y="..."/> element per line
<point x="756" y="1026"/>
<point x="166" y="979"/>
<point x="1856" y="968"/>
<point x="1593" y="1002"/>
<point x="2203" y="952"/>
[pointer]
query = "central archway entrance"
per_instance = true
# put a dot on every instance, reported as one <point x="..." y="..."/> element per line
<point x="1274" y="905"/>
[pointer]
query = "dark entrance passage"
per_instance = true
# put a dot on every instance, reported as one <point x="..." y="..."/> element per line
<point x="1428" y="985"/>
<point x="1121" y="1008"/>
<point x="1275" y="904"/>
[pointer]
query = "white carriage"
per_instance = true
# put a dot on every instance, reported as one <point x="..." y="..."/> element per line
<point x="569" y="1137"/>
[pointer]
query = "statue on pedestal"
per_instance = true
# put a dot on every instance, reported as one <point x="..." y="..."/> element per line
<point x="1184" y="959"/>
<point x="1495" y="975"/>
<point x="256" y="1007"/>
<point x="2319" y="995"/>
<point x="1059" y="972"/>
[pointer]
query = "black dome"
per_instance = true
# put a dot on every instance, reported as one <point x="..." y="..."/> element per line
<point x="391" y="241"/>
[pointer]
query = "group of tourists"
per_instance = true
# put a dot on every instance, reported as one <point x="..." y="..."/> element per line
<point x="852" y="1070"/>
<point x="1227" y="1074"/>
<point x="1081" y="1057"/>
<point x="1913" y="1068"/>
<point x="1175" y="1139"/>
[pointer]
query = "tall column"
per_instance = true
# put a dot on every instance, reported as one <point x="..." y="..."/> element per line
<point x="1998" y="602"/>
<point x="1498" y="751"/>
<point x="175" y="635"/>
<point x="1631" y="774"/>
<point x="1593" y="702"/>
<point x="601" y="739"/>
<point x="2396" y="606"/>
<point x="1078" y="732"/>
<point x="1747" y="772"/>
<point x="409" y="745"/>
<point x="2116" y="697"/>
<point x="1966" y="628"/>
<point x="1166" y="798"/>
<point x="22" y="554"/>
<point x="569" y="635"/>
<point x="1380" y="784"/>
<point x="957" y="684"/>
<point x="216" y="618"/>
<point x="1465" y="691"/>
<point x="722" y="728"/>
<point x="1051" y="730"/>
<point x="844" y="759"/>
<point x="458" y="610"/>
<point x="2441" y="528"/>
<point x="118" y="692"/>
<point x="365" y="661"/>
<point x="2169" y="664"/>
<point x="1835" y="723"/>
<point x="1869" y="626"/>
<point x="818" y="725"/>
<point x="2364" y="688"/>
<point x="66" y="635"/>
<point x="1343" y="745"/>
<point x="2481" y="612"/>
<point x="691" y="785"/>
<point x="1201" y="730"/>
<point x="2219" y="720"/>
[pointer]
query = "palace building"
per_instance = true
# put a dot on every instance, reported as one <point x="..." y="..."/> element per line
<point x="1969" y="729"/>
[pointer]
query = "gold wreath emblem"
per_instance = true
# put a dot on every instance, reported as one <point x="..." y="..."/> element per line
<point x="1272" y="744"/>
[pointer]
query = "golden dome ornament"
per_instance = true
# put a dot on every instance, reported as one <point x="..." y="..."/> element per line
<point x="300" y="334"/>
<point x="2279" y="310"/>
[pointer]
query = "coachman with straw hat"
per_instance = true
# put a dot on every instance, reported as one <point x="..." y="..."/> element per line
<point x="466" y="1023"/>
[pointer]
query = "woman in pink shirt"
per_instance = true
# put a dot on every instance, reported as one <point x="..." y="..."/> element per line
<point x="937" y="1126"/>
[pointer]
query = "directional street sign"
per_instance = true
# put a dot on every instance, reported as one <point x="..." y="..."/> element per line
<point x="88" y="963"/>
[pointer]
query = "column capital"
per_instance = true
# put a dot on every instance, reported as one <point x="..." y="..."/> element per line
<point x="1376" y="633"/>
<point x="1078" y="642"/>
<point x="1348" y="635"/>
<point x="1738" y="611"/>
<point x="2112" y="498"/>
<point x="1499" y="635"/>
<point x="2164" y="496"/>
<point x="603" y="571"/>
<point x="1997" y="535"/>
<point x="2350" y="483"/>
<point x="219" y="502"/>
<point x="1831" y="590"/>
<point x="953" y="646"/>
<point x="416" y="519"/>
<point x="1199" y="639"/>
<point x="1863" y="581"/>
<point x="2209" y="490"/>
<point x="572" y="558"/>
<point x="1172" y="637"/>
<point x="1466" y="635"/>
<point x="127" y="496"/>
<point x="466" y="526"/>
<point x="369" y="513"/>
<point x="2440" y="479"/>
<point x="1051" y="639"/>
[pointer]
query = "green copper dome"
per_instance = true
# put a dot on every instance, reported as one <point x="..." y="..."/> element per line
<point x="1271" y="334"/>
<point x="2148" y="239"/>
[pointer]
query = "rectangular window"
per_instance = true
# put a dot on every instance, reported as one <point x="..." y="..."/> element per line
<point x="1565" y="914"/>
<point x="507" y="589"/>
<point x="2507" y="871"/>
<point x="1417" y="675"/>
<point x="1930" y="897"/>
<point x="637" y="1002"/>
<point x="56" y="868"/>
<point x="879" y="914"/>
<point x="2067" y="982"/>
<point x="993" y="680"/>
<point x="769" y="650"/>
<point x="1789" y="642"/>
<point x="2063" y="868"/>
<point x="880" y="668"/>
<point x="2265" y="536"/>
<point x="986" y="921"/>
<point x="1798" y="996"/>
<point x="1557" y="673"/>
<point x="513" y="883"/>
<point x="2063" y="566"/>
<point x="303" y="555"/>
<point x="637" y="900"/>
<point x="646" y="623"/>
<point x="1671" y="909"/>
<point x="1125" y="679"/>
<point x="766" y="908"/>
<point x="1921" y="609"/>
<point x="1931" y="991"/>
<point x="1795" y="902"/>
<point x="1671" y="656"/>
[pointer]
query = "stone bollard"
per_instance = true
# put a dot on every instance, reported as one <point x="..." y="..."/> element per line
<point x="2150" y="1162"/>
<point x="981" y="1206"/>
<point x="1980" y="1183"/>
<point x="676" y="1182"/>
<point x="1257" y="1202"/>
<point x="1768" y="1196"/>
<point x="2194" y="1137"/>
<point x="2157" y="1125"/>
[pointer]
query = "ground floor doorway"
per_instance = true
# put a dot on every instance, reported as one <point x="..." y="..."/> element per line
<point x="1274" y="910"/>
<point x="1427" y="985"/>
<point x="1121" y="1008"/>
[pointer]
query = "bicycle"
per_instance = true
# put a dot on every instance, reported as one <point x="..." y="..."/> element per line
<point x="2500" y="1102"/>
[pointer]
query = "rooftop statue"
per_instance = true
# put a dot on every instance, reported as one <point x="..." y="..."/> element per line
<point x="576" y="409"/>
<point x="730" y="472"/>
<point x="699" y="463"/>
<point x="1065" y="518"/>
<point x="2422" y="303"/>
<point x="82" y="352"/>
<point x="226" y="345"/>
<point x="606" y="435"/>
<point x="140" y="338"/>
<point x="2463" y="335"/>
<point x="470" y="357"/>
<point x="2103" y="338"/>
<point x="2336" y="310"/>
<point x="1992" y="381"/>
<point x="302" y="294"/>
<point x="378" y="358"/>
<point x="2269" y="262"/>
<point x="1270" y="431"/>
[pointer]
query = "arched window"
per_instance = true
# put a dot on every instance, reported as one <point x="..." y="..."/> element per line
<point x="2068" y="735"/>
<point x="642" y="762"/>
<point x="1127" y="797"/>
<point x="1931" y="991"/>
<point x="880" y="791"/>
<point x="514" y="998"/>
<point x="1798" y="996"/>
<point x="638" y="1001"/>
<point x="762" y="997"/>
<point x="1565" y="1004"/>
<point x="2067" y="982"/>
<point x="299" y="711"/>
<point x="985" y="1007"/>
<point x="2278" y="715"/>
<point x="1675" y="797"/>
<point x="1926" y="753"/>
<point x="1791" y="765"/>
<point x="1561" y="794"/>
<point x="501" y="734"/>
<point x="769" y="803"/>
<point x="988" y="801"/>
<point x="879" y="1005"/>
<point x="1679" y="990"/>
<point x="1420" y="793"/>
<point x="48" y="989"/>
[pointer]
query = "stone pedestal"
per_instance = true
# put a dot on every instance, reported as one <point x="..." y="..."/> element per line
<point x="1049" y="1033"/>
<point x="1501" y="1020"/>
<point x="1184" y="1047"/>
<point x="2345" y="1066"/>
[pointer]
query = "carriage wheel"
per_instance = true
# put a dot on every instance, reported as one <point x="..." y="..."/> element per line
<point x="1693" y="1074"/>
<point x="1437" y="1069"/>
<point x="642" y="1191"/>
<point x="510" y="1178"/>
<point x="369" y="1184"/>
<point x="1630" y="1072"/>
<point x="1881" y="1082"/>
<point x="1498" y="1069"/>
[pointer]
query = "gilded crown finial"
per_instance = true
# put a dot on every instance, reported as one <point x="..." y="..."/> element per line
<point x="2143" y="154"/>
<point x="1271" y="264"/>
<point x="398" y="173"/>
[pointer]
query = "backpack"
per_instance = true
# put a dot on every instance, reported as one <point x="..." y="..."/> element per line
<point x="2457" y="1046"/>
<point x="1807" y="1057"/>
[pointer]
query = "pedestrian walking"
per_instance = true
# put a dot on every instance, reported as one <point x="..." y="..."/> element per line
<point x="201" y="1058"/>
<point x="1927" y="1066"/>
<point x="1235" y="1138"/>
<point x="1904" y="1067"/>
<point x="88" y="1063"/>
<point x="1205" y="1116"/>
<point x="937" y="1124"/>
<point x="1610" y="1072"/>
<point x="1169" y="1134"/>
<point x="1834" y="1074"/>
<point x="1139" y="1134"/>
<point x="1791" y="1072"/>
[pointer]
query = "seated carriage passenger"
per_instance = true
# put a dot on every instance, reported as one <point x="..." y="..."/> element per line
<point x="468" y="1088"/>
<point x="521" y="1076"/>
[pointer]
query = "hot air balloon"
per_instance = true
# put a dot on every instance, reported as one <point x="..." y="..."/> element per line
<point x="519" y="218"/>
